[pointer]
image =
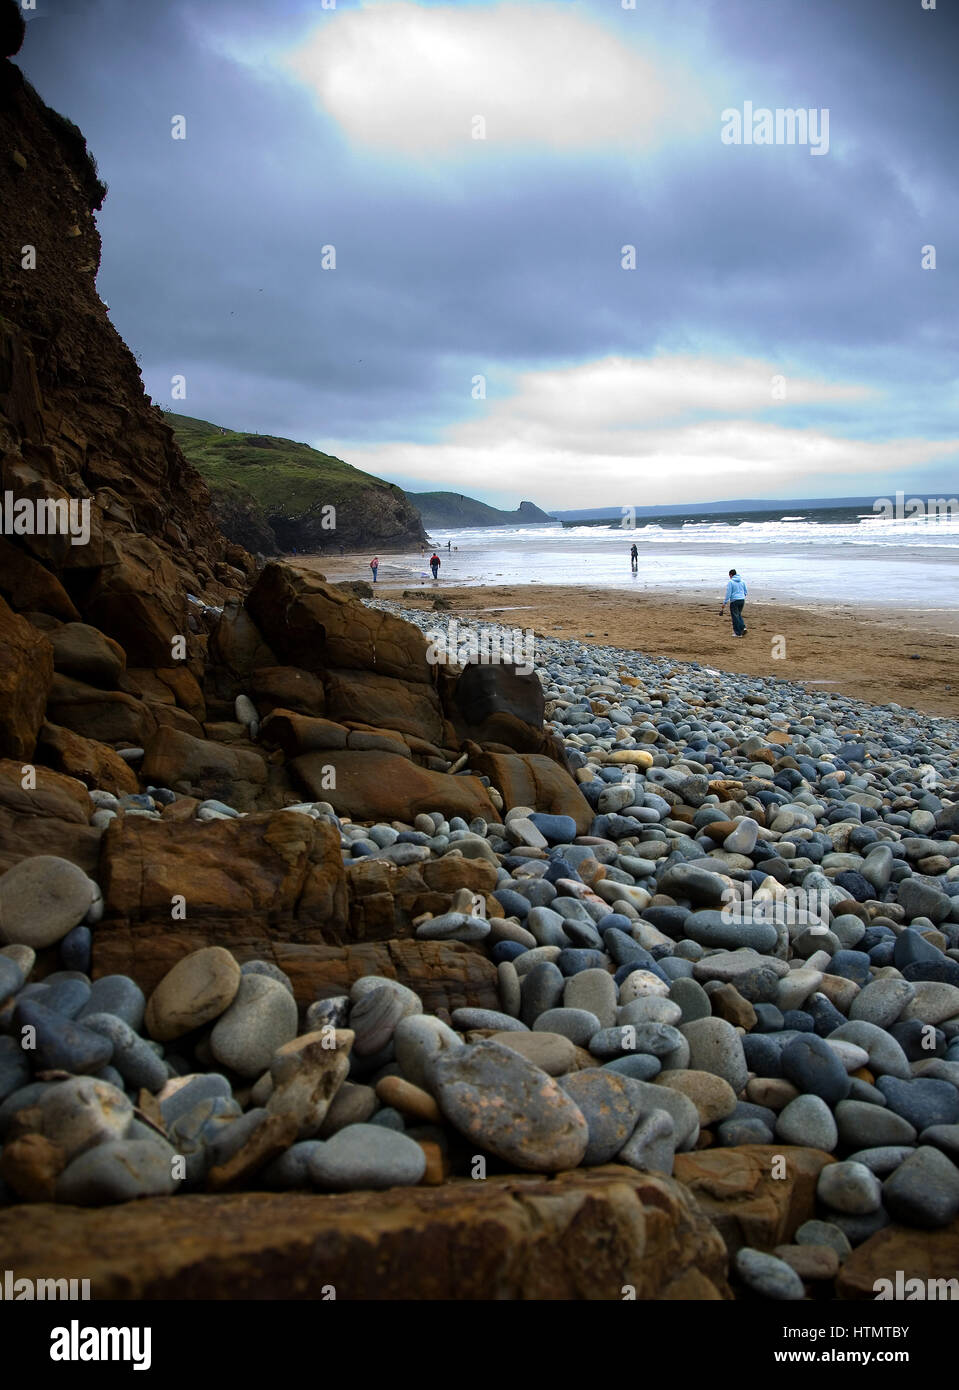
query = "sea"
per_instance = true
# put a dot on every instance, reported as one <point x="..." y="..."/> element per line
<point x="840" y="555"/>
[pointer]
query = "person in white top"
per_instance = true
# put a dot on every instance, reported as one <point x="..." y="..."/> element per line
<point x="736" y="592"/>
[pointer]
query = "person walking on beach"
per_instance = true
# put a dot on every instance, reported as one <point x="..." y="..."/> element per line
<point x="374" y="566"/>
<point x="435" y="564"/>
<point x="449" y="545"/>
<point x="736" y="592"/>
<point x="634" y="557"/>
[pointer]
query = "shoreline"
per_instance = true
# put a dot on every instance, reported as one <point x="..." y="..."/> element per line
<point x="849" y="648"/>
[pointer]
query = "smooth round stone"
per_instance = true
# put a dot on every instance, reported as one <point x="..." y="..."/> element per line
<point x="267" y="968"/>
<point x="769" y="1276"/>
<point x="453" y="926"/>
<point x="691" y="998"/>
<point x="14" y="1067"/>
<point x="795" y="988"/>
<point x="389" y="1119"/>
<point x="291" y="1171"/>
<point x="510" y="988"/>
<point x="547" y="927"/>
<point x="66" y="997"/>
<point x="11" y="978"/>
<point x="808" y="1122"/>
<point x="824" y="1233"/>
<point x="182" y="1095"/>
<point x="373" y="1019"/>
<point x="712" y="1096"/>
<point x="23" y="956"/>
<point x="197" y="990"/>
<point x="650" y="1008"/>
<point x="882" y="1001"/>
<point x="943" y="1137"/>
<point x="711" y="928"/>
<point x="852" y="1057"/>
<point x="41" y="899"/>
<point x="716" y="1047"/>
<point x="641" y="984"/>
<point x="418" y="1039"/>
<point x="922" y="1101"/>
<point x="849" y="1188"/>
<point x="743" y="838"/>
<point x="886" y="1057"/>
<point x="883" y="1160"/>
<point x="932" y="1002"/>
<point x="611" y="1109"/>
<point x="82" y="1112"/>
<point x="133" y="1058"/>
<point x="262" y="1017"/>
<point x="573" y="962"/>
<point x="60" y="1044"/>
<point x="640" y="1067"/>
<point x="542" y="988"/>
<point x="690" y="881"/>
<point x="75" y="949"/>
<point x="367" y="1157"/>
<point x="365" y="984"/>
<point x="924" y="1190"/>
<point x="118" y="1171"/>
<point x="815" y="1068"/>
<point x="578" y="1025"/>
<point x="503" y="1103"/>
<point x="119" y="995"/>
<point x="467" y="1019"/>
<point x="552" y="1052"/>
<point x="865" y="1126"/>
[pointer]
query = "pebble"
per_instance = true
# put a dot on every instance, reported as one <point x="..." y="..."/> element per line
<point x="715" y="1046"/>
<point x="808" y="1122"/>
<point x="41" y="899"/>
<point x="849" y="1188"/>
<point x="922" y="1101"/>
<point x="578" y="1025"/>
<point x="768" y="1276"/>
<point x="59" y="1044"/>
<point x="924" y="1190"/>
<point x="418" y="1039"/>
<point x="118" y="1171"/>
<point x="133" y="1058"/>
<point x="366" y="1156"/>
<point x="261" y="1018"/>
<point x="119" y="995"/>
<point x="610" y="1105"/>
<point x="504" y="1104"/>
<point x="197" y="990"/>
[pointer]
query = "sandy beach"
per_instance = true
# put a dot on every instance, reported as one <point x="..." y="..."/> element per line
<point x="851" y="648"/>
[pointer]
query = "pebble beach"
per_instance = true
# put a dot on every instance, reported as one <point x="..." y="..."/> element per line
<point x="755" y="943"/>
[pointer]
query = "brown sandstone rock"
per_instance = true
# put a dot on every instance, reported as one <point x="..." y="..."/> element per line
<point x="384" y="786"/>
<point x="300" y="733"/>
<point x="26" y="672"/>
<point x="287" y="688"/>
<point x="918" y="1254"/>
<point x="94" y="764"/>
<point x="108" y="716"/>
<point x="532" y="779"/>
<point x="581" y="1235"/>
<point x="237" y="648"/>
<point x="83" y="652"/>
<point x="736" y="1189"/>
<point x="248" y="883"/>
<point x="30" y="1165"/>
<point x="384" y="701"/>
<point x="205" y="769"/>
<point x="28" y="586"/>
<point x="316" y="626"/>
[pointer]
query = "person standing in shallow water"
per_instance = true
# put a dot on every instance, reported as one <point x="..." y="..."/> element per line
<point x="633" y="557"/>
<point x="374" y="566"/>
<point x="435" y="564"/>
<point x="736" y="592"/>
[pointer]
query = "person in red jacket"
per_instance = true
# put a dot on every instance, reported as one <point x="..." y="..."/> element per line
<point x="374" y="566"/>
<point x="435" y="564"/>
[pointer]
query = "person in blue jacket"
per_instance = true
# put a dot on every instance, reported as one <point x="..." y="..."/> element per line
<point x="736" y="592"/>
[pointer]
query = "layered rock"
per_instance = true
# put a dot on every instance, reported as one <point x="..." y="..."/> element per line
<point x="583" y="1235"/>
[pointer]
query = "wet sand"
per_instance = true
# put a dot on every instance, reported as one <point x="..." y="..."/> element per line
<point x="871" y="652"/>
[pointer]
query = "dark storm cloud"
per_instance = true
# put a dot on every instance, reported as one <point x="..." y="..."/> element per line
<point x="212" y="245"/>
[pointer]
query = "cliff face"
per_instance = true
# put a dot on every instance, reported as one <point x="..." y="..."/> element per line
<point x="75" y="424"/>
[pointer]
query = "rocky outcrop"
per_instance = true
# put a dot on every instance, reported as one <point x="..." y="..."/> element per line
<point x="896" y="1250"/>
<point x="75" y="425"/>
<point x="597" y="1234"/>
<point x="26" y="671"/>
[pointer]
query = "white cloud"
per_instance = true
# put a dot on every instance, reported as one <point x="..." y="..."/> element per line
<point x="411" y="79"/>
<point x="667" y="429"/>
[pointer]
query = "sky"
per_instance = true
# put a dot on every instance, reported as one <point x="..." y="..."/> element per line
<point x="537" y="250"/>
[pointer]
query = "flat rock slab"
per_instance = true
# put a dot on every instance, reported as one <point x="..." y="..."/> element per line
<point x="918" y="1254"/>
<point x="581" y="1235"/>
